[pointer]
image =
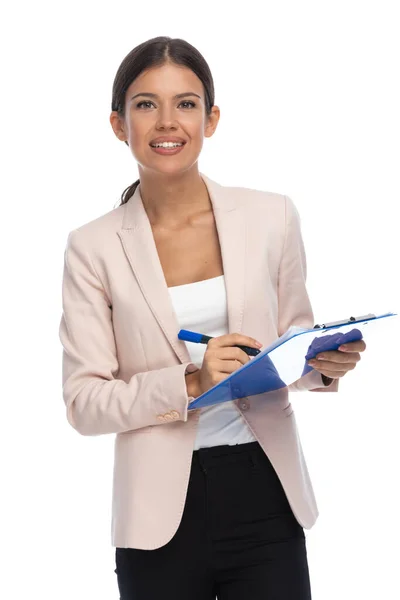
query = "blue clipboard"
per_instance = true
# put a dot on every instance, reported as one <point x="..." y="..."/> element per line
<point x="285" y="360"/>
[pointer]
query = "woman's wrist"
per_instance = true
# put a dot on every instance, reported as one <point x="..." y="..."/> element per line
<point x="192" y="384"/>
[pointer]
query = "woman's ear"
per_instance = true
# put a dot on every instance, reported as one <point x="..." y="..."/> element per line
<point x="118" y="126"/>
<point x="212" y="121"/>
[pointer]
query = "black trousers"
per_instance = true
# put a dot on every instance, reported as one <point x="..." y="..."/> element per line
<point x="238" y="538"/>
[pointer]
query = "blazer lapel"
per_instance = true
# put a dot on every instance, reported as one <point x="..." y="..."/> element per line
<point x="138" y="242"/>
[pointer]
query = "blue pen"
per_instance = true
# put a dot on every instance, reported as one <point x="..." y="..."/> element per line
<point x="199" y="338"/>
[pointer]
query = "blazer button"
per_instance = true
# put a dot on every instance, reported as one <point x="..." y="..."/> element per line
<point x="168" y="417"/>
<point x="244" y="405"/>
<point x="160" y="418"/>
<point x="175" y="414"/>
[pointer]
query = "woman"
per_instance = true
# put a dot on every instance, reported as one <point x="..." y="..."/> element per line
<point x="206" y="503"/>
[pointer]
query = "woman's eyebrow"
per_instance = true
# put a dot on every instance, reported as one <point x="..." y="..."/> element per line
<point x="156" y="96"/>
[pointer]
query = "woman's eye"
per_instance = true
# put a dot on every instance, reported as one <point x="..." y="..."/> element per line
<point x="149" y="102"/>
<point x="143" y="102"/>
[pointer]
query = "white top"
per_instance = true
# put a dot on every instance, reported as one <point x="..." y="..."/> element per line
<point x="202" y="307"/>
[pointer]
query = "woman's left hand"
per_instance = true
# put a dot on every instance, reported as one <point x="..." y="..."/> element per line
<point x="336" y="363"/>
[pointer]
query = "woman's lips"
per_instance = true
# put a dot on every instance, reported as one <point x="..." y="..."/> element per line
<point x="167" y="151"/>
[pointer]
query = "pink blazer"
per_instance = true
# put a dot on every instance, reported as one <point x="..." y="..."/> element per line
<point x="124" y="366"/>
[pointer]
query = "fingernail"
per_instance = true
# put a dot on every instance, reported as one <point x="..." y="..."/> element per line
<point x="258" y="344"/>
<point x="344" y="347"/>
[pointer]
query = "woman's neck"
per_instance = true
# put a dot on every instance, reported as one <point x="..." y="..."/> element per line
<point x="174" y="201"/>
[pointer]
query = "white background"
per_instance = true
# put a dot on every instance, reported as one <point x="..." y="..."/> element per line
<point x="309" y="101"/>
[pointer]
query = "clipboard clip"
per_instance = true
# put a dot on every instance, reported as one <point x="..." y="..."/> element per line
<point x="346" y="321"/>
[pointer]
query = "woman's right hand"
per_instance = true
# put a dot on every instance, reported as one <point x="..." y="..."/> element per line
<point x="222" y="358"/>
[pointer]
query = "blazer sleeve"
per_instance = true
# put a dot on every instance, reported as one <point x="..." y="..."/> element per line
<point x="98" y="403"/>
<point x="294" y="307"/>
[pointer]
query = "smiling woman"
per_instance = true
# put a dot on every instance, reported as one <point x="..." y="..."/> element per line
<point x="163" y="85"/>
<point x="182" y="251"/>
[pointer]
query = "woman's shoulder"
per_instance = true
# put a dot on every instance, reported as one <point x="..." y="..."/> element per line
<point x="95" y="234"/>
<point x="111" y="218"/>
<point x="277" y="207"/>
<point x="256" y="194"/>
<point x="257" y="198"/>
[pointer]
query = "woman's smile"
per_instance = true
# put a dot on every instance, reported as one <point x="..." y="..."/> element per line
<point x="168" y="149"/>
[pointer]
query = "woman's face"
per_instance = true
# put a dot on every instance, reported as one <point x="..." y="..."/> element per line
<point x="152" y="109"/>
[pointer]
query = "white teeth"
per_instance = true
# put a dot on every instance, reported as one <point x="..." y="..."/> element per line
<point x="168" y="145"/>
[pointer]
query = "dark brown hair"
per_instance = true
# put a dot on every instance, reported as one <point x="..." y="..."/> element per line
<point x="157" y="52"/>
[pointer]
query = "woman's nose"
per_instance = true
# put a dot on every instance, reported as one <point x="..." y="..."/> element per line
<point x="166" y="118"/>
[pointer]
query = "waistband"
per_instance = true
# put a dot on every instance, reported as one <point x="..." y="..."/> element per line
<point x="207" y="456"/>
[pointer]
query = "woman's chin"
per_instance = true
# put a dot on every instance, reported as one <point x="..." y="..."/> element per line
<point x="170" y="167"/>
